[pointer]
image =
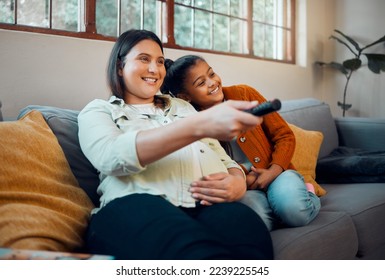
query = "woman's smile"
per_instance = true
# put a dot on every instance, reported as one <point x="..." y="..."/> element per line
<point x="150" y="80"/>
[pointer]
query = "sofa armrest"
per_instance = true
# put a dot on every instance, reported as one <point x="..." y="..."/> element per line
<point x="363" y="133"/>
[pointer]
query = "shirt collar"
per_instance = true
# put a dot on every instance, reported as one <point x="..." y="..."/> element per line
<point x="119" y="101"/>
<point x="116" y="100"/>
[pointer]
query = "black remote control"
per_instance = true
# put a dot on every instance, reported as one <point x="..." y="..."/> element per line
<point x="265" y="108"/>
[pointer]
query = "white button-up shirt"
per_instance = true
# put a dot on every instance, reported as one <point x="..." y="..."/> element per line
<point x="107" y="133"/>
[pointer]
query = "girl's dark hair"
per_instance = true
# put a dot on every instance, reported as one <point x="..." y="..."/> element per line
<point x="122" y="46"/>
<point x="176" y="73"/>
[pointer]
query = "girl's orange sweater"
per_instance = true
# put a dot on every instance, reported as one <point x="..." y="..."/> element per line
<point x="272" y="142"/>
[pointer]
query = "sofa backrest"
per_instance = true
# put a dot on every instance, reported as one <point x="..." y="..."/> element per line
<point x="312" y="114"/>
<point x="64" y="124"/>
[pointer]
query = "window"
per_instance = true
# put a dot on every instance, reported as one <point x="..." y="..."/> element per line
<point x="214" y="25"/>
<point x="251" y="28"/>
<point x="62" y="15"/>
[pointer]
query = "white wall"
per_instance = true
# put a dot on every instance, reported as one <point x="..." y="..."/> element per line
<point x="69" y="72"/>
<point x="364" y="21"/>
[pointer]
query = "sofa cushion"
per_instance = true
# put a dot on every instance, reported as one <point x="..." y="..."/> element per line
<point x="305" y="156"/>
<point x="312" y="114"/>
<point x="41" y="204"/>
<point x="329" y="234"/>
<point x="352" y="165"/>
<point x="64" y="124"/>
<point x="365" y="203"/>
<point x="359" y="132"/>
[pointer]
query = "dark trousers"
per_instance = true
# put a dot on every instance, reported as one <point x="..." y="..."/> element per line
<point x="142" y="226"/>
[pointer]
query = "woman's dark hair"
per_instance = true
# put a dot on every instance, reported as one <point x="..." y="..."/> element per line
<point x="122" y="46"/>
<point x="176" y="73"/>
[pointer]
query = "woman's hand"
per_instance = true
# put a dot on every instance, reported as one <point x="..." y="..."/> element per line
<point x="226" y="120"/>
<point x="219" y="187"/>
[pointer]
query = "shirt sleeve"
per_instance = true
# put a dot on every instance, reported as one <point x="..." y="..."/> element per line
<point x="111" y="150"/>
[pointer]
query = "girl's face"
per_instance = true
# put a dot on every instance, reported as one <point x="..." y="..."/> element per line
<point x="143" y="72"/>
<point x="203" y="86"/>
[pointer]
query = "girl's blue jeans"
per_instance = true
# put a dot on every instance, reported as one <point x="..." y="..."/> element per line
<point x="287" y="202"/>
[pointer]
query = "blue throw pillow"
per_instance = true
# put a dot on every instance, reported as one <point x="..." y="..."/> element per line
<point x="351" y="165"/>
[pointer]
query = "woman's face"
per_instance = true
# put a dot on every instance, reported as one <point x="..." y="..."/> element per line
<point x="143" y="72"/>
<point x="203" y="87"/>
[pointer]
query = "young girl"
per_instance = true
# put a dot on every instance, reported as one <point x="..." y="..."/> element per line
<point x="275" y="190"/>
<point x="150" y="151"/>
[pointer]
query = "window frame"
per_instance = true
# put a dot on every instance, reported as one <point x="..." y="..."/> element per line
<point x="167" y="30"/>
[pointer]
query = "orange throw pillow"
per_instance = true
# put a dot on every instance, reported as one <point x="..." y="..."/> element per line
<point x="42" y="206"/>
<point x="308" y="144"/>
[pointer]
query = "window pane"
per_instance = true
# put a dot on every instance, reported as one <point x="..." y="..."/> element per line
<point x="107" y="17"/>
<point x="270" y="36"/>
<point x="221" y="33"/>
<point x="238" y="8"/>
<point x="220" y="6"/>
<point x="206" y="5"/>
<point x="238" y="37"/>
<point x="288" y="14"/>
<point x="33" y="12"/>
<point x="259" y="38"/>
<point x="219" y="26"/>
<point x="202" y="30"/>
<point x="184" y="2"/>
<point x="130" y="15"/>
<point x="270" y="11"/>
<point x="259" y="10"/>
<point x="275" y="12"/>
<point x="150" y="15"/>
<point x="7" y="10"/>
<point x="183" y="26"/>
<point x="283" y="44"/>
<point x="272" y="26"/>
<point x="65" y="15"/>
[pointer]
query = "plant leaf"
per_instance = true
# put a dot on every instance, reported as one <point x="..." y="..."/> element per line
<point x="352" y="64"/>
<point x="345" y="106"/>
<point x="353" y="42"/>
<point x="343" y="43"/>
<point x="334" y="65"/>
<point x="382" y="39"/>
<point x="376" y="62"/>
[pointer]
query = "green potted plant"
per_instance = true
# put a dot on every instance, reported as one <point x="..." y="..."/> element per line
<point x="376" y="62"/>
